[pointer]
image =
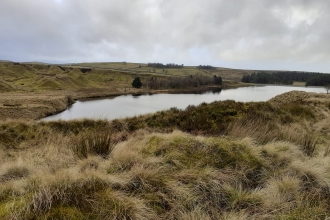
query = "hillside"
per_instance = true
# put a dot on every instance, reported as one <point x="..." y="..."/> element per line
<point x="35" y="90"/>
<point x="264" y="160"/>
<point x="140" y="68"/>
<point x="43" y="77"/>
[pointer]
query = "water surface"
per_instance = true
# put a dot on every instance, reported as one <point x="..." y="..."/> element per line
<point x="129" y="105"/>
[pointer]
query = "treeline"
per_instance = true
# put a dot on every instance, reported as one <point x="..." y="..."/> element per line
<point x="319" y="80"/>
<point x="206" y="67"/>
<point x="283" y="77"/>
<point x="186" y="82"/>
<point x="169" y="65"/>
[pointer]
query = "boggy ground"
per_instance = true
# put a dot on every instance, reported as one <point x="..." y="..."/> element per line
<point x="225" y="160"/>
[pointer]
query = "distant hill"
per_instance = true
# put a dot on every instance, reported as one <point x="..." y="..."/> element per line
<point x="35" y="76"/>
<point x="35" y="62"/>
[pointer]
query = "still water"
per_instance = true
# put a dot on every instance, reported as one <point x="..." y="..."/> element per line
<point x="129" y="105"/>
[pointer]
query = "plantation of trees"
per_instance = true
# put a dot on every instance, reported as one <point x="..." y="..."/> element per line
<point x="287" y="78"/>
<point x="169" y="65"/>
<point x="185" y="82"/>
<point x="319" y="80"/>
<point x="206" y="67"/>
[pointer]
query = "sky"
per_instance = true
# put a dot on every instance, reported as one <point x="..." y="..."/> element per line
<point x="242" y="34"/>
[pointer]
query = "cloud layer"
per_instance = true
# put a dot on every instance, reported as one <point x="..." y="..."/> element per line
<point x="253" y="34"/>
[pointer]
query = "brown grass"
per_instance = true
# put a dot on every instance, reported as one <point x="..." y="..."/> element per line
<point x="164" y="176"/>
<point x="256" y="169"/>
<point x="98" y="143"/>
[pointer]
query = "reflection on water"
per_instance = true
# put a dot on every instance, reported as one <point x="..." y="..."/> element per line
<point x="217" y="90"/>
<point x="132" y="105"/>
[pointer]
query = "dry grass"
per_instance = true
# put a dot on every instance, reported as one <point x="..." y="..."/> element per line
<point x="257" y="169"/>
<point x="296" y="83"/>
<point x="164" y="176"/>
<point x="98" y="143"/>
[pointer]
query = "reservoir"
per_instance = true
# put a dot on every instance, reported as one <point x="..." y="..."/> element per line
<point x="130" y="105"/>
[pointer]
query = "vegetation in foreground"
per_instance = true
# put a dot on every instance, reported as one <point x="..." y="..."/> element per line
<point x="267" y="160"/>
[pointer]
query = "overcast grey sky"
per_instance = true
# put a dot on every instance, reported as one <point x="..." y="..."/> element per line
<point x="250" y="34"/>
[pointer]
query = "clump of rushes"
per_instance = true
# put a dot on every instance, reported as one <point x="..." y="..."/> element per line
<point x="96" y="143"/>
<point x="309" y="145"/>
<point x="70" y="100"/>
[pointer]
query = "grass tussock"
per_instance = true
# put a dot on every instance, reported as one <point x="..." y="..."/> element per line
<point x="166" y="176"/>
<point x="97" y="143"/>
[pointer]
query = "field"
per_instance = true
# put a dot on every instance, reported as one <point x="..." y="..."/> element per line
<point x="296" y="83"/>
<point x="140" y="68"/>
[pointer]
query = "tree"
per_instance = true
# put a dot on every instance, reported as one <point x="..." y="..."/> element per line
<point x="217" y="80"/>
<point x="327" y="88"/>
<point x="137" y="82"/>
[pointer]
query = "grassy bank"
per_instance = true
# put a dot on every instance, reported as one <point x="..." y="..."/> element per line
<point x="225" y="160"/>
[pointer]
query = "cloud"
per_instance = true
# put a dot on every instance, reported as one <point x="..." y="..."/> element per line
<point x="257" y="34"/>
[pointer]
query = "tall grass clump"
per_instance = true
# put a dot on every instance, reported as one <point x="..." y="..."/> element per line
<point x="81" y="197"/>
<point x="299" y="135"/>
<point x="93" y="142"/>
<point x="309" y="145"/>
<point x="260" y="130"/>
<point x="69" y="99"/>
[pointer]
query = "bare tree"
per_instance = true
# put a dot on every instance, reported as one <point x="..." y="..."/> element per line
<point x="327" y="88"/>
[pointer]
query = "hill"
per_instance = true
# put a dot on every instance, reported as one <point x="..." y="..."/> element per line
<point x="39" y="76"/>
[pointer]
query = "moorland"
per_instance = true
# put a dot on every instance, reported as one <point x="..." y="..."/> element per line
<point x="36" y="90"/>
<point x="224" y="160"/>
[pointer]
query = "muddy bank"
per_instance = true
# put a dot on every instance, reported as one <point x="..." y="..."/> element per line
<point x="31" y="106"/>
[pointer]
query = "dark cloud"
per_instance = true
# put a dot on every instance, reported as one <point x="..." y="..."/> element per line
<point x="257" y="34"/>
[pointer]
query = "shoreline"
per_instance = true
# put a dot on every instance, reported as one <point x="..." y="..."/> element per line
<point x="38" y="105"/>
<point x="144" y="92"/>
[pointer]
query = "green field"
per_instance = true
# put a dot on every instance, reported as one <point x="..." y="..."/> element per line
<point x="295" y="83"/>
